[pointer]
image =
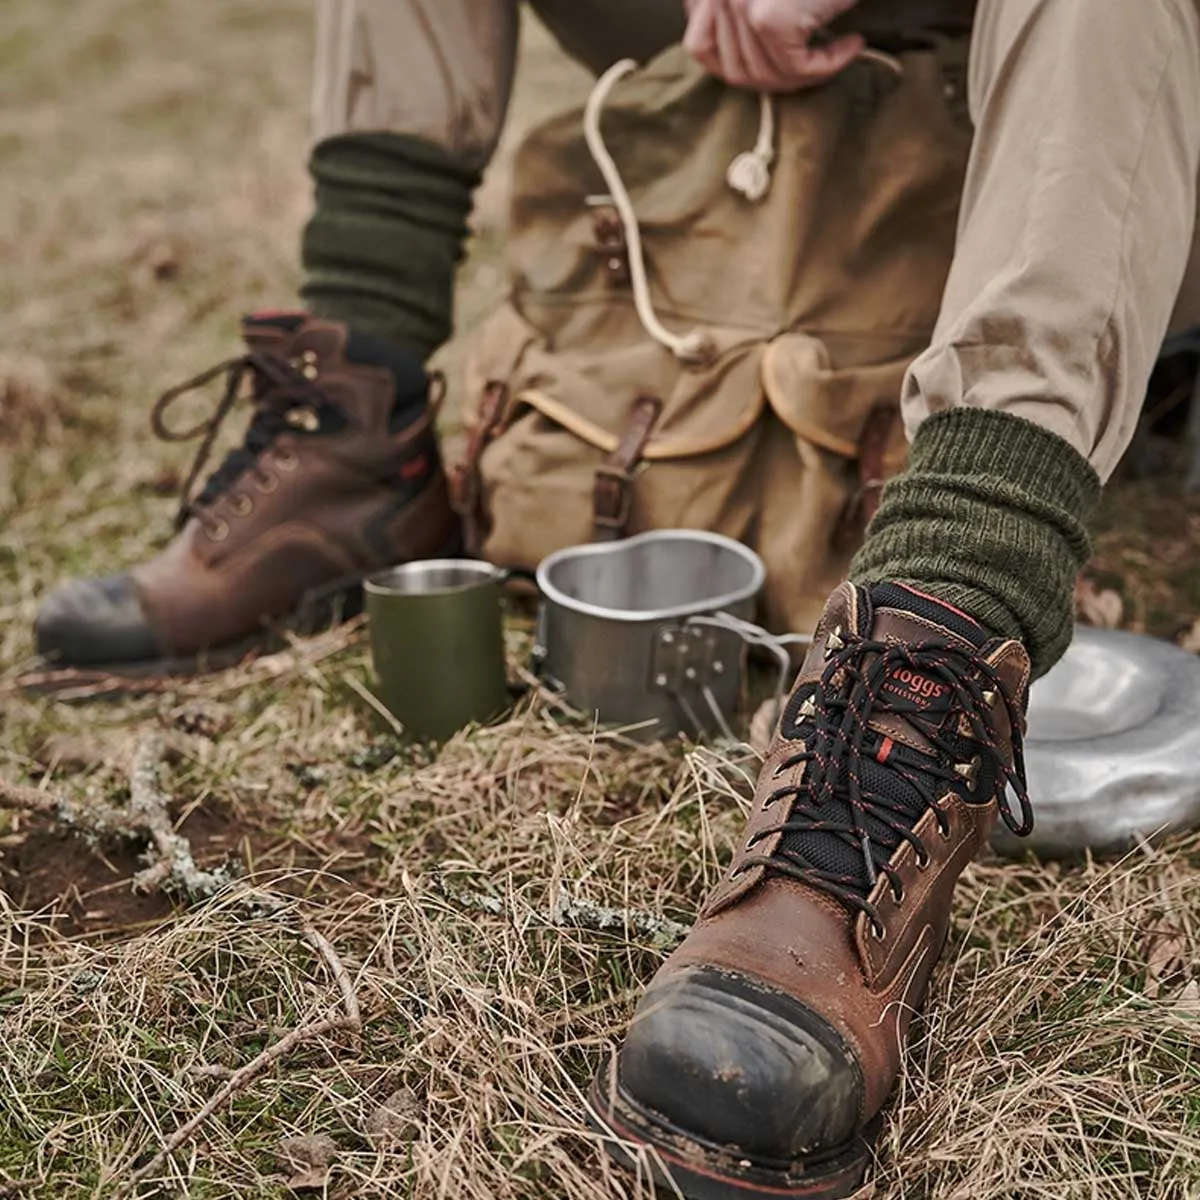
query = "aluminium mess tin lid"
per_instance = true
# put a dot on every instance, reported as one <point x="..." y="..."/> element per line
<point x="1113" y="747"/>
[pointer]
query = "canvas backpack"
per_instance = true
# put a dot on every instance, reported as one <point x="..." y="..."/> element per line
<point x="792" y="254"/>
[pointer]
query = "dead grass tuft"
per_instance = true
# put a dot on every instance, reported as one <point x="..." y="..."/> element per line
<point x="1044" y="1062"/>
<point x="31" y="407"/>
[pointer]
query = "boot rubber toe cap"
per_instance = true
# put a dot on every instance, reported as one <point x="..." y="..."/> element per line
<point x="736" y="1063"/>
<point x="86" y="622"/>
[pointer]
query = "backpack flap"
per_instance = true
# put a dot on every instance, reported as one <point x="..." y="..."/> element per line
<point x="582" y="447"/>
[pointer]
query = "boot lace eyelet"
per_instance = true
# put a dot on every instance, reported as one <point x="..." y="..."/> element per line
<point x="286" y="460"/>
<point x="898" y="895"/>
<point x="241" y="505"/>
<point x="266" y="483"/>
<point x="879" y="931"/>
<point x="923" y="861"/>
<point x="218" y="531"/>
<point x="303" y="418"/>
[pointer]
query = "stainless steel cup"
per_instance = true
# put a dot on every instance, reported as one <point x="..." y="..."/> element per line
<point x="437" y="641"/>
<point x="648" y="632"/>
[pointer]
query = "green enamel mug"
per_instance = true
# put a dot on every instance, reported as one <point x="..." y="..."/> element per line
<point x="437" y="642"/>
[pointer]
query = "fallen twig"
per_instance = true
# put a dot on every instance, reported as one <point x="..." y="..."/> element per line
<point x="172" y="865"/>
<point x="467" y="900"/>
<point x="14" y="795"/>
<point x="324" y="948"/>
<point x="578" y="914"/>
<point x="69" y="684"/>
<point x="295" y="654"/>
<point x="211" y="1071"/>
<point x="170" y="862"/>
<point x="581" y="914"/>
<point x="96" y="819"/>
<point x="236" y="1082"/>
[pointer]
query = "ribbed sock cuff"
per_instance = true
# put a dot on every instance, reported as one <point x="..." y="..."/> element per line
<point x="381" y="249"/>
<point x="990" y="515"/>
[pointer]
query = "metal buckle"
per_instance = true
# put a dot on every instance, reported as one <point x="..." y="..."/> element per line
<point x="612" y="498"/>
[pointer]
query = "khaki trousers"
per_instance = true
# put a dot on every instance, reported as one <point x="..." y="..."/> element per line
<point x="1080" y="201"/>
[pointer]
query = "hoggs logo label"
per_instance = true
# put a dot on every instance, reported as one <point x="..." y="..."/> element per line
<point x="930" y="689"/>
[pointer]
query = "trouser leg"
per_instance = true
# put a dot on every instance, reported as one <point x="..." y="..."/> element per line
<point x="409" y="101"/>
<point x="1077" y="218"/>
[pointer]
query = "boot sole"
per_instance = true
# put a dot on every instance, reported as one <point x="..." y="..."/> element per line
<point x="683" y="1165"/>
<point x="318" y="610"/>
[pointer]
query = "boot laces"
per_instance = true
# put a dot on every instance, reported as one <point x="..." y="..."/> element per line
<point x="285" y="401"/>
<point x="836" y="799"/>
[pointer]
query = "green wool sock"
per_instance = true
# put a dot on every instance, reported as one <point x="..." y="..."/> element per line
<point x="991" y="516"/>
<point x="381" y="249"/>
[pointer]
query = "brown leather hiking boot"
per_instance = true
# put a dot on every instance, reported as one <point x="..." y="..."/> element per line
<point x="338" y="476"/>
<point x="761" y="1055"/>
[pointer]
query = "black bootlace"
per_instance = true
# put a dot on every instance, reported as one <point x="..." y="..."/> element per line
<point x="832" y="799"/>
<point x="282" y="390"/>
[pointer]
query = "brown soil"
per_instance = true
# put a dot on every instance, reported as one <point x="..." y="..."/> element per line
<point x="77" y="888"/>
<point x="74" y="888"/>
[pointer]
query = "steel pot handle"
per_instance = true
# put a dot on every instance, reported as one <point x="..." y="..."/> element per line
<point x="752" y="635"/>
<point x="537" y="655"/>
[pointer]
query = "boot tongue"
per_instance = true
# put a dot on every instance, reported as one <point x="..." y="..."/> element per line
<point x="272" y="330"/>
<point x="325" y="344"/>
<point x="903" y="615"/>
<point x="277" y="334"/>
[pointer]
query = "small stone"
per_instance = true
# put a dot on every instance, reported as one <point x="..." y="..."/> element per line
<point x="309" y="1158"/>
<point x="397" y="1119"/>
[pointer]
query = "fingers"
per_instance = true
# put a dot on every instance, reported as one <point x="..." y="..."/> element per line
<point x="824" y="11"/>
<point x="768" y="45"/>
<point x="700" y="39"/>
<point x="733" y="67"/>
<point x="748" y="62"/>
<point x="791" y="21"/>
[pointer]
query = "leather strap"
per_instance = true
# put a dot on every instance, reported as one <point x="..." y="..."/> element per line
<point x="872" y="473"/>
<point x="466" y="491"/>
<point x="612" y="495"/>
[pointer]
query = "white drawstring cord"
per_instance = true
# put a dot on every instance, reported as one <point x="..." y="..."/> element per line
<point x="750" y="173"/>
<point x="890" y="61"/>
<point x="694" y="347"/>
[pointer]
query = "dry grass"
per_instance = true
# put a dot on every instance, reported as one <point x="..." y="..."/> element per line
<point x="153" y="188"/>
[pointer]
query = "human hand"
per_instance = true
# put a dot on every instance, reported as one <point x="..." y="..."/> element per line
<point x="769" y="45"/>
